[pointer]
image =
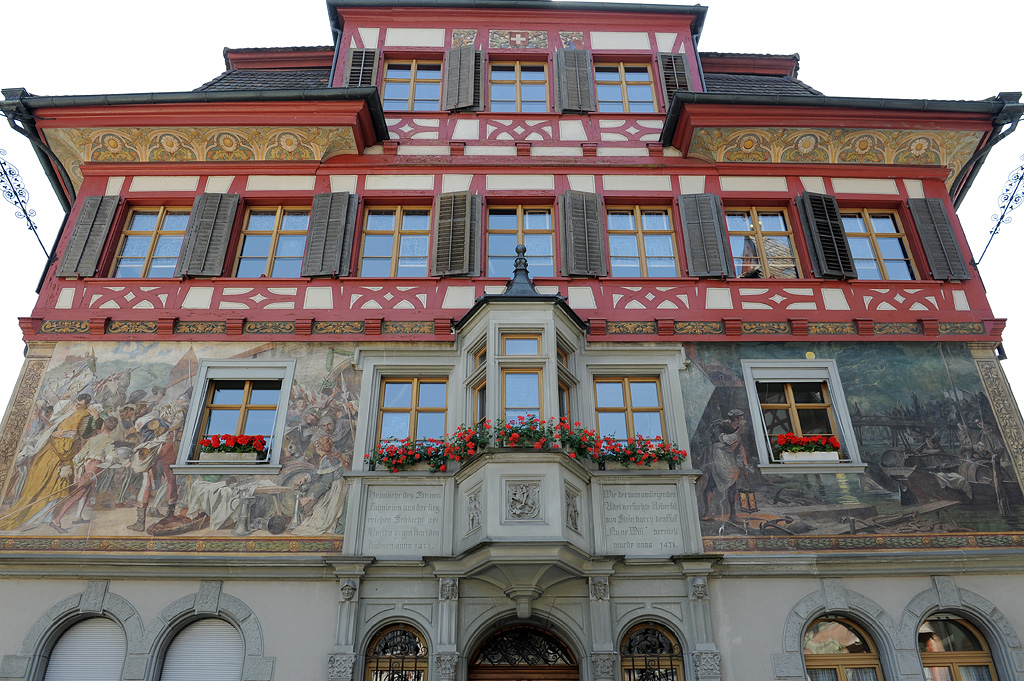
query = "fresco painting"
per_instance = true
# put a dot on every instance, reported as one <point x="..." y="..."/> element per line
<point x="935" y="459"/>
<point x="98" y="448"/>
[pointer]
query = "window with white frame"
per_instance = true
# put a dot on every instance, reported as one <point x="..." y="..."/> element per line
<point x="237" y="401"/>
<point x="800" y="403"/>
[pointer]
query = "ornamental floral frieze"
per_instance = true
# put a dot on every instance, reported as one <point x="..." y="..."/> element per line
<point x="75" y="146"/>
<point x="950" y="148"/>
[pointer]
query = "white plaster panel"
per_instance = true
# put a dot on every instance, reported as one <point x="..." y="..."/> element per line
<point x="494" y="289"/>
<point x="861" y="185"/>
<point x="915" y="188"/>
<point x="582" y="183"/>
<point x="343" y="183"/>
<point x="665" y="41"/>
<point x="671" y="151"/>
<point x="499" y="182"/>
<point x="619" y="40"/>
<point x="459" y="297"/>
<point x="556" y="151"/>
<point x="369" y="36"/>
<point x="547" y="290"/>
<point x="834" y="299"/>
<point x="219" y="184"/>
<point x="425" y="149"/>
<point x="621" y="151"/>
<point x="490" y="151"/>
<point x="582" y="298"/>
<point x="164" y="183"/>
<point x="65" y="298"/>
<point x="718" y="299"/>
<point x="318" y="298"/>
<point x="630" y="183"/>
<point x="401" y="182"/>
<point x="466" y="129"/>
<point x="960" y="300"/>
<point x="813" y="184"/>
<point x="456" y="183"/>
<point x="198" y="298"/>
<point x="114" y="185"/>
<point x="753" y="184"/>
<point x="375" y="150"/>
<point x="277" y="183"/>
<point x="691" y="184"/>
<point x="414" y="37"/>
<point x="572" y="131"/>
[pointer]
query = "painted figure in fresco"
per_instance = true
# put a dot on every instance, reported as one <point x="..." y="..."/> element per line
<point x="51" y="471"/>
<point x="96" y="450"/>
<point x="727" y="464"/>
<point x="325" y="490"/>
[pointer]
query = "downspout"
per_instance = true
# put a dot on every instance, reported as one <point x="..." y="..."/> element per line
<point x="62" y="185"/>
<point x="337" y="51"/>
<point x="1011" y="114"/>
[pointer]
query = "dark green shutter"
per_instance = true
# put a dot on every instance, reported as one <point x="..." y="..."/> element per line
<point x="457" y="235"/>
<point x="940" y="245"/>
<point x="673" y="75"/>
<point x="332" y="226"/>
<point x="463" y="74"/>
<point x="574" y="83"/>
<point x="583" y="235"/>
<point x="826" y="238"/>
<point x="705" y="237"/>
<point x="82" y="255"/>
<point x="207" y="236"/>
<point x="361" y="68"/>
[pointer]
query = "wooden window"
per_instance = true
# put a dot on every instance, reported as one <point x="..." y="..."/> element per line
<point x="397" y="653"/>
<point x="954" y="650"/>
<point x="412" y="408"/>
<point x="838" y="650"/>
<point x="207" y="236"/>
<point x="878" y="245"/>
<point x="511" y="226"/>
<point x="521" y="393"/>
<point x="650" y="652"/>
<point x="761" y="243"/>
<point x="641" y="242"/>
<point x="626" y="88"/>
<point x="82" y="254"/>
<point x="519" y="345"/>
<point x="413" y="85"/>
<point x="239" y="407"/>
<point x="627" y="407"/>
<point x="583" y="237"/>
<point x="798" y="407"/>
<point x="396" y="242"/>
<point x="519" y="86"/>
<point x="151" y="242"/>
<point x="273" y="241"/>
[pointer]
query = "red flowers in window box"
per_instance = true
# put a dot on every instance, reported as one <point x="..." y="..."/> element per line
<point x="237" y="444"/>
<point x="789" y="442"/>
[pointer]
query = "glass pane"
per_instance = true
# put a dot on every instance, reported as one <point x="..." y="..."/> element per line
<point x="378" y="245"/>
<point x="533" y="73"/>
<point x="661" y="267"/>
<point x="398" y="71"/>
<point x="381" y="221"/>
<point x="814" y="421"/>
<point x="175" y="222"/>
<point x="853" y="223"/>
<point x="808" y="393"/>
<point x="228" y="392"/>
<point x="262" y="221"/>
<point x="503" y="91"/>
<point x="135" y="246"/>
<point x="222" y="422"/>
<point x="778" y="247"/>
<point x="542" y="267"/>
<point x="861" y="248"/>
<point x="883" y="224"/>
<point x="637" y="74"/>
<point x="975" y="673"/>
<point x="428" y="71"/>
<point x="867" y="269"/>
<point x="777" y="421"/>
<point x="503" y="71"/>
<point x="143" y="222"/>
<point x="168" y="246"/>
<point x="739" y="222"/>
<point x="659" y="246"/>
<point x="265" y="392"/>
<point x="612" y="424"/>
<point x="606" y="72"/>
<point x="522" y="391"/>
<point x="532" y="92"/>
<point x="502" y="105"/>
<point x="861" y="674"/>
<point x="251" y="267"/>
<point x="743" y="246"/>
<point x="822" y="675"/>
<point x="295" y="221"/>
<point x="500" y="266"/>
<point x="643" y="394"/>
<point x="625" y="267"/>
<point x="772" y="222"/>
<point x="538" y="244"/>
<point x="522" y="346"/>
<point x="394" y="425"/>
<point x="397" y="395"/>
<point x="610" y="395"/>
<point x="623" y="245"/>
<point x="828" y="637"/>
<point x="946" y="635"/>
<point x="433" y="395"/>
<point x="891" y="248"/>
<point x="655" y="220"/>
<point x="898" y="270"/>
<point x="162" y="267"/>
<point x="535" y="106"/>
<point x="647" y="423"/>
<point x="286" y="267"/>
<point x="291" y="245"/>
<point x="130" y="268"/>
<point x="256" y="246"/>
<point x="430" y="425"/>
<point x="638" y="94"/>
<point x="375" y="267"/>
<point x="645" y="106"/>
<point x="537" y="219"/>
<point x="502" y="219"/>
<point x="771" y="393"/>
<point x="621" y="221"/>
<point x="416" y="220"/>
<point x="259" y="422"/>
<point x="938" y="674"/>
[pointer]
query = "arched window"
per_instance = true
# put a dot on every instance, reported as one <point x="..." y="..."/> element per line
<point x="209" y="649"/>
<point x="91" y="650"/>
<point x="397" y="653"/>
<point x="650" y="652"/>
<point x="838" y="650"/>
<point x="953" y="650"/>
<point x="524" y="646"/>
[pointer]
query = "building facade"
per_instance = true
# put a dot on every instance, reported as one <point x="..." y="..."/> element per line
<point x="710" y="380"/>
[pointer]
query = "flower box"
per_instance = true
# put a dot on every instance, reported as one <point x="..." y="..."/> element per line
<point x="231" y="457"/>
<point x="809" y="457"/>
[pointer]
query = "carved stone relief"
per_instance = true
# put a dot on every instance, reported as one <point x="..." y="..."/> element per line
<point x="340" y="666"/>
<point x="522" y="500"/>
<point x="572" y="509"/>
<point x="446" y="664"/>
<point x="708" y="664"/>
<point x="599" y="589"/>
<point x="473" y="519"/>
<point x="449" y="589"/>
<point x="604" y="665"/>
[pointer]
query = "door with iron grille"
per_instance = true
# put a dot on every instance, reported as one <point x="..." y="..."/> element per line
<point x="523" y="653"/>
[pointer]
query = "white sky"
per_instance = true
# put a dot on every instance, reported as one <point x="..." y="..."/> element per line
<point x="895" y="49"/>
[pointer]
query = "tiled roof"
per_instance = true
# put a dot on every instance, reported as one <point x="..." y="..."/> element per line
<point x="268" y="79"/>
<point x="735" y="84"/>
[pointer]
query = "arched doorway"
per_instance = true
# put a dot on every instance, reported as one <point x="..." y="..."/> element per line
<point x="523" y="653"/>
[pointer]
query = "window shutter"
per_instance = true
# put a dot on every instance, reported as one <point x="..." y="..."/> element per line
<point x="933" y="226"/>
<point x="463" y="73"/>
<point x="573" y="81"/>
<point x="705" y="237"/>
<point x="332" y="225"/>
<point x="826" y="239"/>
<point x="92" y="650"/>
<point x="582" y="234"/>
<point x="82" y="254"/>
<point x="673" y="75"/>
<point x="209" y="649"/>
<point x="361" y="68"/>
<point x="457" y="238"/>
<point x="207" y="235"/>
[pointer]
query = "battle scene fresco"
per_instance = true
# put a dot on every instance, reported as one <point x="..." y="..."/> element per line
<point x="936" y="461"/>
<point x="104" y="431"/>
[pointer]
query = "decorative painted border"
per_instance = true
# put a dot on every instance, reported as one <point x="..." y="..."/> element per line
<point x="171" y="545"/>
<point x="17" y="416"/>
<point x="131" y="327"/>
<point x="200" y="327"/>
<point x="268" y="327"/>
<point x="338" y="327"/>
<point x="864" y="542"/>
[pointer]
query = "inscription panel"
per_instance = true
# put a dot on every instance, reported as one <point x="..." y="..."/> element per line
<point x="641" y="520"/>
<point x="403" y="521"/>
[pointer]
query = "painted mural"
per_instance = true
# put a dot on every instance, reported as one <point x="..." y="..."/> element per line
<point x="936" y="462"/>
<point x="103" y="433"/>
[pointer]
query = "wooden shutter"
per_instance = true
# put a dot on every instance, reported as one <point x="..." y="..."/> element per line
<point x="207" y="235"/>
<point x="463" y="74"/>
<point x="332" y="228"/>
<point x="582" y="234"/>
<point x="705" y="237"/>
<point x="673" y="75"/>
<point x="209" y="649"/>
<point x="88" y="237"/>
<point x="92" y="650"/>
<point x="457" y="235"/>
<point x="940" y="245"/>
<point x="574" y="81"/>
<point x="826" y="239"/>
<point x="361" y="68"/>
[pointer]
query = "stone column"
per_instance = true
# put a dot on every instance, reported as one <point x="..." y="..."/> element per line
<point x="707" y="661"/>
<point x="342" y="661"/>
<point x="446" y="659"/>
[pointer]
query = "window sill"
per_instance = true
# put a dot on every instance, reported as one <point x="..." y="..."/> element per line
<point x="805" y="468"/>
<point x="226" y="469"/>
